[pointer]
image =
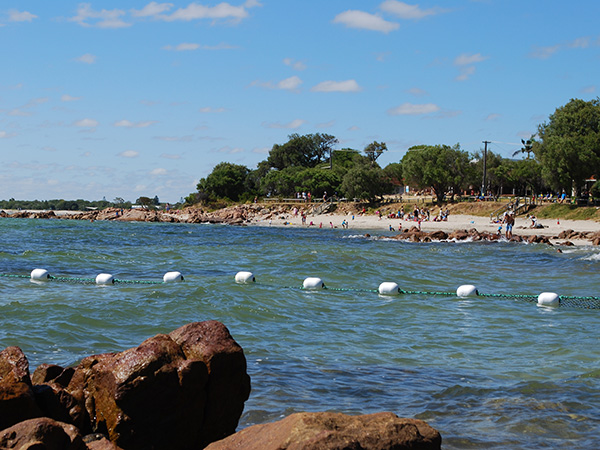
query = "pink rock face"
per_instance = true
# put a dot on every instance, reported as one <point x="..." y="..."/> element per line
<point x="329" y="431"/>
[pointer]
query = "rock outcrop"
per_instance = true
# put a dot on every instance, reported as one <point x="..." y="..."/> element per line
<point x="179" y="390"/>
<point x="335" y="431"/>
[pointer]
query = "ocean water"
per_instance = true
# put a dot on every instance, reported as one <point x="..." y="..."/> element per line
<point x="491" y="373"/>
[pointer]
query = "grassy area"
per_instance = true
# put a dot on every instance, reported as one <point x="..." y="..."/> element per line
<point x="572" y="212"/>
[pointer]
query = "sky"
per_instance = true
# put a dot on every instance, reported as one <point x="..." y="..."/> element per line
<point x="101" y="100"/>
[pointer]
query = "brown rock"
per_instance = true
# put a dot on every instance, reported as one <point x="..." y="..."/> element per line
<point x="45" y="373"/>
<point x="325" y="431"/>
<point x="596" y="241"/>
<point x="438" y="235"/>
<point x="459" y="235"/>
<point x="43" y="434"/>
<point x="14" y="366"/>
<point x="17" y="403"/>
<point x="228" y="382"/>
<point x="182" y="390"/>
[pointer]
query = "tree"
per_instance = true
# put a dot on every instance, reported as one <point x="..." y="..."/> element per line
<point x="374" y="150"/>
<point x="569" y="144"/>
<point x="301" y="151"/>
<point x="145" y="202"/>
<point x="438" y="166"/>
<point x="365" y="183"/>
<point x="226" y="180"/>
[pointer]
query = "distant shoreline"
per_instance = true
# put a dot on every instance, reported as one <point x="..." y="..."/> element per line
<point x="583" y="231"/>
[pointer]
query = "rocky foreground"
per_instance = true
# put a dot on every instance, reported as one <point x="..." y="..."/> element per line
<point x="182" y="390"/>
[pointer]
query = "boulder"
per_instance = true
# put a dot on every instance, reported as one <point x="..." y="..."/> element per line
<point x="17" y="400"/>
<point x="43" y="434"/>
<point x="182" y="390"/>
<point x="14" y="366"/>
<point x="328" y="431"/>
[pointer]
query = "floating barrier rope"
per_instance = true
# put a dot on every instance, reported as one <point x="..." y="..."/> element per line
<point x="547" y="299"/>
<point x="103" y="279"/>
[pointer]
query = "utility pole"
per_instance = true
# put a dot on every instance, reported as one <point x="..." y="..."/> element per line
<point x="484" y="167"/>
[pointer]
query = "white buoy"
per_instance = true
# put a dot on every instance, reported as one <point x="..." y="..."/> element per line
<point x="105" y="279"/>
<point x="313" y="283"/>
<point x="244" y="277"/>
<point x="40" y="274"/>
<point x="466" y="290"/>
<point x="389" y="288"/>
<point x="171" y="277"/>
<point x="548" y="299"/>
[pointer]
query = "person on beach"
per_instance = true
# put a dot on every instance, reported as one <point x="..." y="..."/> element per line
<point x="509" y="219"/>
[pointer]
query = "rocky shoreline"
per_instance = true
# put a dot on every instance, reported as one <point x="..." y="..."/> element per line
<point x="278" y="215"/>
<point x="183" y="390"/>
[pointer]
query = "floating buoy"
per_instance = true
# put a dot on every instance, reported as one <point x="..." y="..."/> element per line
<point x="40" y="274"/>
<point x="548" y="299"/>
<point x="313" y="283"/>
<point x="466" y="290"/>
<point x="244" y="277"/>
<point x="105" y="279"/>
<point x="389" y="288"/>
<point x="170" y="277"/>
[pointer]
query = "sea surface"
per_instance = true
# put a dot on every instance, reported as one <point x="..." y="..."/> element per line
<point x="487" y="372"/>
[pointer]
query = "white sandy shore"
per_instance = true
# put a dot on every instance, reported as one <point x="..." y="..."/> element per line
<point x="373" y="224"/>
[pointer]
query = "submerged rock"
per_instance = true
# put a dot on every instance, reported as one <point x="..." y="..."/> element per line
<point x="328" y="431"/>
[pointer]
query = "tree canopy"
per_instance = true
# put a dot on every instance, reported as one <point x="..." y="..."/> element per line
<point x="441" y="167"/>
<point x="569" y="144"/>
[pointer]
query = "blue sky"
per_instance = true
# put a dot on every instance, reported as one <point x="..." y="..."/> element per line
<point x="102" y="100"/>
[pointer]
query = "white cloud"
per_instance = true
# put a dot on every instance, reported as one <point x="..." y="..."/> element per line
<point x="417" y="92"/>
<point x="128" y="124"/>
<point x="88" y="58"/>
<point x="209" y="109"/>
<point x="465" y="62"/>
<point x="337" y="86"/>
<point x="86" y="123"/>
<point x="87" y="17"/>
<point x="465" y="59"/>
<point x="191" y="46"/>
<point x="294" y="124"/>
<point x="187" y="138"/>
<point x="365" y="21"/>
<point x="465" y="73"/>
<point x="547" y="52"/>
<point x="296" y="65"/>
<point x="69" y="98"/>
<point x="406" y="11"/>
<point x="326" y="124"/>
<point x="185" y="46"/>
<point x="16" y="16"/>
<point x="129" y="154"/>
<point x="588" y="90"/>
<point x="291" y="84"/>
<point x="492" y="117"/>
<point x="5" y="135"/>
<point x="222" y="11"/>
<point x="230" y="150"/>
<point x="152" y="9"/>
<point x="159" y="171"/>
<point x="410" y="109"/>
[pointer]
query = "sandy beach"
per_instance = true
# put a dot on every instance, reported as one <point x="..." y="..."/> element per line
<point x="267" y="215"/>
<point x="552" y="227"/>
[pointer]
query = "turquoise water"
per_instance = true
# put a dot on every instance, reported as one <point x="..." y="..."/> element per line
<point x="490" y="373"/>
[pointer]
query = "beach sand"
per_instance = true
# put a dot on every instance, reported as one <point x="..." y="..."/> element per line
<point x="373" y="224"/>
